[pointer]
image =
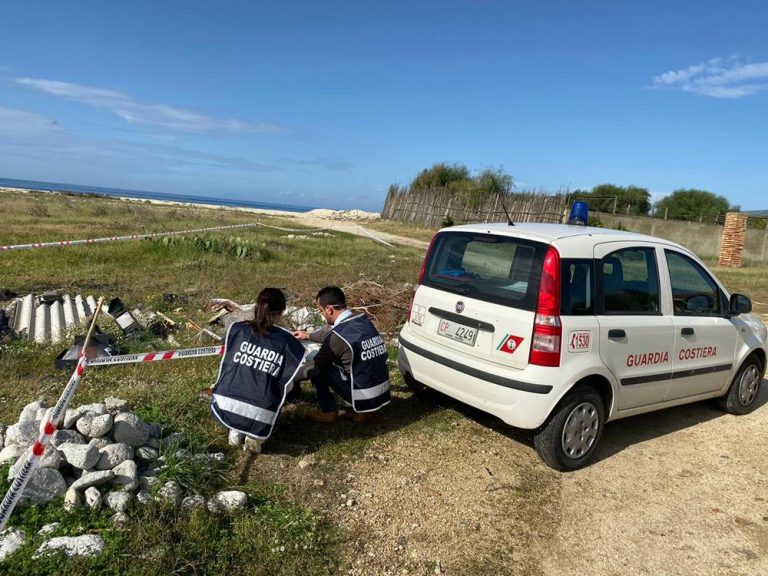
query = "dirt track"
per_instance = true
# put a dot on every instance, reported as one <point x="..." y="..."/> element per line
<point x="678" y="492"/>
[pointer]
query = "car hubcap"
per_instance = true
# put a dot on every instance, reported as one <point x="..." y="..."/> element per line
<point x="750" y="380"/>
<point x="580" y="430"/>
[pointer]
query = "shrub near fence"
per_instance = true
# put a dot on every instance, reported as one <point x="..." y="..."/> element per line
<point x="431" y="206"/>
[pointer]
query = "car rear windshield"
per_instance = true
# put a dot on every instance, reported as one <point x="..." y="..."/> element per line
<point x="495" y="269"/>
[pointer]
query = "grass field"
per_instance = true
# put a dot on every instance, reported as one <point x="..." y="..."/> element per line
<point x="287" y="529"/>
<point x="279" y="535"/>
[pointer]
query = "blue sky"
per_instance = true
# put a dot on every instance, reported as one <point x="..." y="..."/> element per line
<point x="328" y="103"/>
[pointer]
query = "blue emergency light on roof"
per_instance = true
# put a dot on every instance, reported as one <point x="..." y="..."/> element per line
<point x="579" y="214"/>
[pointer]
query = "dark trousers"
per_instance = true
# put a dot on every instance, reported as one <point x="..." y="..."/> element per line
<point x="332" y="378"/>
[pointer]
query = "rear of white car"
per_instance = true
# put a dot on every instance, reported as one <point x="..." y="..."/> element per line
<point x="504" y="319"/>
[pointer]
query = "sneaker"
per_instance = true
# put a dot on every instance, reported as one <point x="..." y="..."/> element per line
<point x="322" y="417"/>
<point x="251" y="445"/>
<point x="363" y="417"/>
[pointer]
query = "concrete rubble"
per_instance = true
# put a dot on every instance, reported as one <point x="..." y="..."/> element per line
<point x="118" y="469"/>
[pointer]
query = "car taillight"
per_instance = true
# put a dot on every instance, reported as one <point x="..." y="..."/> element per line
<point x="547" y="330"/>
<point x="423" y="269"/>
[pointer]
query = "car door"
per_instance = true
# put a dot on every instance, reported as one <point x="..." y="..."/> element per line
<point x="705" y="339"/>
<point x="636" y="338"/>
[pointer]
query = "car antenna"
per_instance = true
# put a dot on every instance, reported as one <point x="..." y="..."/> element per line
<point x="509" y="220"/>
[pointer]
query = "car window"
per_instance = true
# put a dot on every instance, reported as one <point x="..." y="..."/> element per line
<point x="694" y="292"/>
<point x="630" y="282"/>
<point x="578" y="288"/>
<point x="496" y="269"/>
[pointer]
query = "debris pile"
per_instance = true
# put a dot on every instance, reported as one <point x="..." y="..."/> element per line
<point x="46" y="318"/>
<point x="387" y="307"/>
<point x="355" y="215"/>
<point x="103" y="456"/>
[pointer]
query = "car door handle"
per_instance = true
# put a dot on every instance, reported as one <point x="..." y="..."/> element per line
<point x="617" y="333"/>
<point x="687" y="332"/>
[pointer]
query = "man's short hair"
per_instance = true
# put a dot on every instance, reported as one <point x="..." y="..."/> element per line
<point x="332" y="296"/>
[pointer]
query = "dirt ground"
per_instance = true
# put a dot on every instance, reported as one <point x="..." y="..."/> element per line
<point x="678" y="492"/>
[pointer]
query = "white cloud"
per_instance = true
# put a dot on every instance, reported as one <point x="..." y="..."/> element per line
<point x="718" y="78"/>
<point x="153" y="115"/>
<point x="13" y="121"/>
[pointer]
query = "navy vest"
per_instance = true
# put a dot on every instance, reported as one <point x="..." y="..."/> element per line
<point x="254" y="376"/>
<point x="369" y="374"/>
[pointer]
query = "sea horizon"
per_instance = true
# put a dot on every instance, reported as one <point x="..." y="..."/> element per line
<point x="40" y="186"/>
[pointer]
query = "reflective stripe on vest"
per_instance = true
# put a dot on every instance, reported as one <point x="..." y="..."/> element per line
<point x="254" y="374"/>
<point x="369" y="374"/>
<point x="244" y="409"/>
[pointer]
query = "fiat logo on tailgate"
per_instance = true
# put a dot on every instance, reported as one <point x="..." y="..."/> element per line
<point x="459" y="306"/>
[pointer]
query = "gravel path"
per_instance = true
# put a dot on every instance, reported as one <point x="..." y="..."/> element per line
<point x="678" y="492"/>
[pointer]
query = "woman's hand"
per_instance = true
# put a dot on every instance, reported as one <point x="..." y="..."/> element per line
<point x="217" y="304"/>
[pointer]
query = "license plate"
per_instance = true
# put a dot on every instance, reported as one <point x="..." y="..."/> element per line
<point x="458" y="332"/>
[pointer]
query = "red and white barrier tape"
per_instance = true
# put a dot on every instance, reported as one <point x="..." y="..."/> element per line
<point x="47" y="428"/>
<point x="156" y="356"/>
<point x="62" y="243"/>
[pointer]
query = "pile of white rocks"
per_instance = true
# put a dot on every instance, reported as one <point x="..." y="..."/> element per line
<point x="102" y="455"/>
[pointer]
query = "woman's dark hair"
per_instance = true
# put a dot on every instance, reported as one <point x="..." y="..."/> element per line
<point x="269" y="305"/>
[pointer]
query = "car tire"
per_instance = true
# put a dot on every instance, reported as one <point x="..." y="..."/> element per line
<point x="744" y="389"/>
<point x="567" y="440"/>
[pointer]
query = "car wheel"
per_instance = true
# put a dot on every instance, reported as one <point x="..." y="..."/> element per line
<point x="567" y="440"/>
<point x="745" y="388"/>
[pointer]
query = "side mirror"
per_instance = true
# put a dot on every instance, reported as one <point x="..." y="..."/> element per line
<point x="739" y="304"/>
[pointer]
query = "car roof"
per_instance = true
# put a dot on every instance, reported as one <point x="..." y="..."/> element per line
<point x="559" y="234"/>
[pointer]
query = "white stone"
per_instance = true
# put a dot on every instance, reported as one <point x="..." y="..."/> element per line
<point x="193" y="502"/>
<point x="10" y="453"/>
<point x="93" y="498"/>
<point x="146" y="482"/>
<point x="94" y="426"/>
<point x="143" y="497"/>
<point x="126" y="474"/>
<point x="86" y="545"/>
<point x="147" y="454"/>
<point x="50" y="459"/>
<point x="29" y="412"/>
<point x="44" y="485"/>
<point x="118" y="501"/>
<point x="48" y="529"/>
<point x="130" y="429"/>
<point x="10" y="541"/>
<point x="120" y="519"/>
<point x="70" y="418"/>
<point x="23" y="433"/>
<point x="81" y="456"/>
<point x="115" y="405"/>
<point x="170" y="493"/>
<point x="101" y="442"/>
<point x="67" y="436"/>
<point x="96" y="409"/>
<point x="89" y="479"/>
<point x="72" y="499"/>
<point x="112" y="455"/>
<point x="227" y="501"/>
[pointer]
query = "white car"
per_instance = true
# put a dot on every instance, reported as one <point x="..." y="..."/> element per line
<point x="561" y="328"/>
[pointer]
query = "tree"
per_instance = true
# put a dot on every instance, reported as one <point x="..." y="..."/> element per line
<point x="692" y="204"/>
<point x="627" y="200"/>
<point x="440" y="175"/>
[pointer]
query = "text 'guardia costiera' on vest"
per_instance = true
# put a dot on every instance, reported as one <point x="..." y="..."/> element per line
<point x="259" y="358"/>
<point x="372" y="348"/>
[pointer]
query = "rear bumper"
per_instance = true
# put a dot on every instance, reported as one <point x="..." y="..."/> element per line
<point x="523" y="403"/>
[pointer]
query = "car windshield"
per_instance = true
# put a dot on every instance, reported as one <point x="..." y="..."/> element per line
<point x="496" y="269"/>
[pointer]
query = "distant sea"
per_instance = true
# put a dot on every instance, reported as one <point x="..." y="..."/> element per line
<point x="144" y="195"/>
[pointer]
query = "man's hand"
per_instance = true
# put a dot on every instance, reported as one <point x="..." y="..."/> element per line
<point x="301" y="335"/>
